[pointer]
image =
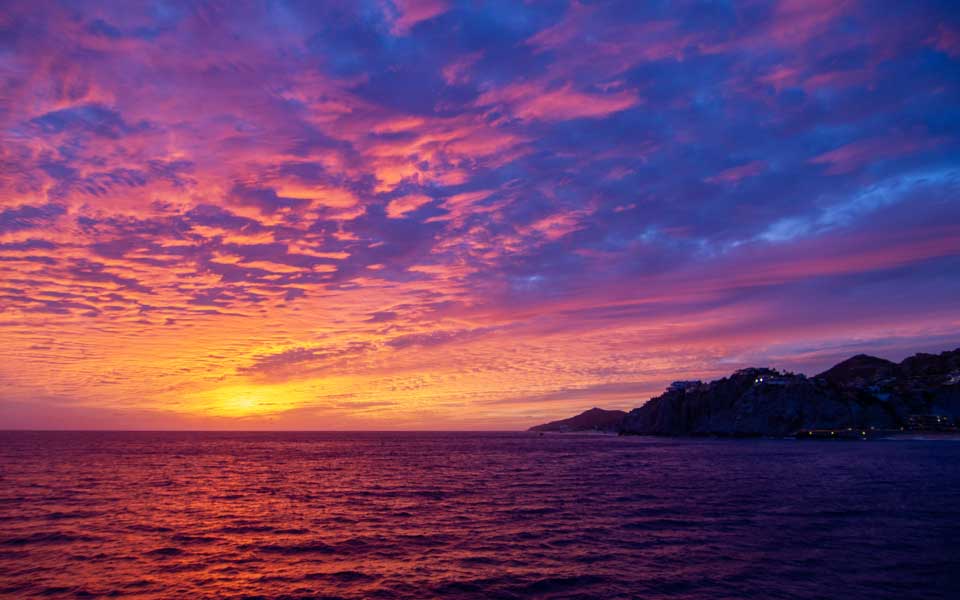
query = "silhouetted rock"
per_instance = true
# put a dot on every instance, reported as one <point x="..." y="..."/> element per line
<point x="595" y="419"/>
<point x="862" y="369"/>
<point x="862" y="392"/>
<point x="933" y="369"/>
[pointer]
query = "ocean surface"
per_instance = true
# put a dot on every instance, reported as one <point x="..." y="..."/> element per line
<point x="474" y="515"/>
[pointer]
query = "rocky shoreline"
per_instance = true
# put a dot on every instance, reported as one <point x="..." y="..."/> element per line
<point x="863" y="397"/>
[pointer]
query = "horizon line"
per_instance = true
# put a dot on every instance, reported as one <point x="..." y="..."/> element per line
<point x="264" y="430"/>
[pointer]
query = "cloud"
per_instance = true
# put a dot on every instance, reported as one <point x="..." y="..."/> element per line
<point x="438" y="338"/>
<point x="857" y="154"/>
<point x="298" y="357"/>
<point x="846" y="211"/>
<point x="93" y="119"/>
<point x="735" y="174"/>
<point x="29" y="217"/>
<point x="630" y="394"/>
<point x="411" y="12"/>
<point x="535" y="101"/>
<point x="398" y="207"/>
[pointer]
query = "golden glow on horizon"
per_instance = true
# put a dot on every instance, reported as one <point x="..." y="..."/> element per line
<point x="245" y="401"/>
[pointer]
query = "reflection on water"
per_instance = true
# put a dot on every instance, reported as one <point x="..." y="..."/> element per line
<point x="420" y="515"/>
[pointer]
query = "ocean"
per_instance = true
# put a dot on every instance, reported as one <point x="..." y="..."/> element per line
<point x="474" y="515"/>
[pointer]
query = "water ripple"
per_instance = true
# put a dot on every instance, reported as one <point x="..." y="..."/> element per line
<point x="298" y="515"/>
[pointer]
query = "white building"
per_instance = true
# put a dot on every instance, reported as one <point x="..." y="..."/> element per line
<point x="678" y="386"/>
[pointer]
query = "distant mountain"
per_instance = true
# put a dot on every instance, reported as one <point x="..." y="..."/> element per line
<point x="595" y="419"/>
<point x="863" y="393"/>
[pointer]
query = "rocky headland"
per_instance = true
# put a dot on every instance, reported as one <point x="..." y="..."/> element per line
<point x="595" y="419"/>
<point x="861" y="394"/>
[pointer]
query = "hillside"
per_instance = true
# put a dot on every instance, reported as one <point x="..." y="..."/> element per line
<point x="595" y="419"/>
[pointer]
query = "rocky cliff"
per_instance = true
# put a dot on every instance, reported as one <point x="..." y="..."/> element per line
<point x="595" y="419"/>
<point x="861" y="392"/>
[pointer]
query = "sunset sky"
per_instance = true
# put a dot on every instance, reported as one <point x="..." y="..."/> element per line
<point x="422" y="214"/>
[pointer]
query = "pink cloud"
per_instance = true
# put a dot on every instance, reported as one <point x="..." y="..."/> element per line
<point x="782" y="76"/>
<point x="838" y="79"/>
<point x="852" y="156"/>
<point x="556" y="226"/>
<point x="458" y="72"/>
<point x="796" y="21"/>
<point x="793" y="24"/>
<point x="615" y="49"/>
<point x="735" y="174"/>
<point x="947" y="40"/>
<point x="535" y="101"/>
<point x="416" y="11"/>
<point x="398" y="207"/>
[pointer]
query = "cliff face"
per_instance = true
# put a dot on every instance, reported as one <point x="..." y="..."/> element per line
<point x="861" y="392"/>
<point x="595" y="419"/>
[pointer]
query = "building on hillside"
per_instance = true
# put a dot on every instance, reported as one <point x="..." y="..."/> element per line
<point x="683" y="385"/>
<point x="930" y="423"/>
<point x="772" y="380"/>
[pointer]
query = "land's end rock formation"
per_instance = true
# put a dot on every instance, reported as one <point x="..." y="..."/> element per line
<point x="595" y="419"/>
<point x="860" y="392"/>
<point x="861" y="369"/>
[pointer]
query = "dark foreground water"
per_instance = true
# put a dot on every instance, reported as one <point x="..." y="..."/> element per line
<point x="424" y="515"/>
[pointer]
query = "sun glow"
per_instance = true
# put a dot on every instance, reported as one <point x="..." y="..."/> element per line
<point x="249" y="400"/>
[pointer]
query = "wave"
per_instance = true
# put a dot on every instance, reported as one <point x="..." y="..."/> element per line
<point x="165" y="551"/>
<point x="477" y="516"/>
<point x="46" y="537"/>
